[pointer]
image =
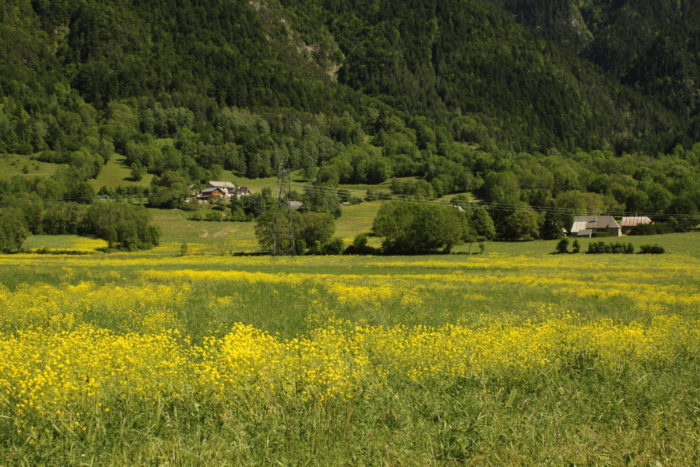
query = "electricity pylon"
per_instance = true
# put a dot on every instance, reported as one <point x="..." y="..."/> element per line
<point x="284" y="242"/>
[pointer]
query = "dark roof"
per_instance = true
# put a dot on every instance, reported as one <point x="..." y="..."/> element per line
<point x="210" y="190"/>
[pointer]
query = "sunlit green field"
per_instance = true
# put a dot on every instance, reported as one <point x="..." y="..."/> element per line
<point x="218" y="237"/>
<point x="116" y="173"/>
<point x="515" y="356"/>
<point x="12" y="165"/>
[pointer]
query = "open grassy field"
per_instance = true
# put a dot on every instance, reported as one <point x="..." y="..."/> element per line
<point x="356" y="219"/>
<point x="298" y="182"/>
<point x="116" y="173"/>
<point x="11" y="165"/>
<point x="219" y="237"/>
<point x="512" y="357"/>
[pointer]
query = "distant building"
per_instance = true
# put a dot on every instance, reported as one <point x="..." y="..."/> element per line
<point x="223" y="185"/>
<point x="242" y="191"/>
<point x="295" y="205"/>
<point x="586" y="226"/>
<point x="227" y="188"/>
<point x="629" y="223"/>
<point x="216" y="191"/>
<point x="212" y="195"/>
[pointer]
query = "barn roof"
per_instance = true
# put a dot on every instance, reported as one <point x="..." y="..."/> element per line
<point x="227" y="185"/>
<point x="295" y="205"/>
<point x="635" y="221"/>
<point x="578" y="226"/>
<point x="594" y="222"/>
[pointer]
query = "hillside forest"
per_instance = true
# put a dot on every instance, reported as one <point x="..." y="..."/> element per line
<point x="537" y="109"/>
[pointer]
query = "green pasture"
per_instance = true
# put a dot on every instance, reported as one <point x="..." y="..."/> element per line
<point x="356" y="219"/>
<point x="298" y="182"/>
<point x="675" y="243"/>
<point x="574" y="412"/>
<point x="11" y="165"/>
<point x="213" y="237"/>
<point x="116" y="173"/>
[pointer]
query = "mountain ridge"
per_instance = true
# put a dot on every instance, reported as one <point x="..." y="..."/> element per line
<point x="443" y="98"/>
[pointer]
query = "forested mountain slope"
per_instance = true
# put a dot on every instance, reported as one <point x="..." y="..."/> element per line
<point x="519" y="102"/>
<point x="435" y="59"/>
<point x="441" y="57"/>
<point x="650" y="45"/>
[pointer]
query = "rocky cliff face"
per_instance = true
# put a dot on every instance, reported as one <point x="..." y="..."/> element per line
<point x="559" y="20"/>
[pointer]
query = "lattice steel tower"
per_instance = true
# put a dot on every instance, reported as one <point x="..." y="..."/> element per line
<point x="284" y="242"/>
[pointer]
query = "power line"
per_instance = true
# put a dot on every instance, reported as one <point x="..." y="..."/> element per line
<point x="503" y="207"/>
<point x="511" y="207"/>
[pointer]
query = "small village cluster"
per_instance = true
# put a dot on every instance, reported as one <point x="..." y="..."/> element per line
<point x="587" y="226"/>
<point x="216" y="191"/>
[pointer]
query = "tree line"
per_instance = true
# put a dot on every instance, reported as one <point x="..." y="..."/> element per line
<point x="61" y="205"/>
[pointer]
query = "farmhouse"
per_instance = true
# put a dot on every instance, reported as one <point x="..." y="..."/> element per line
<point x="212" y="195"/>
<point x="217" y="191"/>
<point x="227" y="188"/>
<point x="586" y="226"/>
<point x="629" y="223"/>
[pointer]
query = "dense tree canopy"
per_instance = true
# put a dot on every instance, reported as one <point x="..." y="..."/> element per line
<point x="410" y="228"/>
<point x="122" y="225"/>
<point x="13" y="230"/>
<point x="566" y="107"/>
<point x="310" y="231"/>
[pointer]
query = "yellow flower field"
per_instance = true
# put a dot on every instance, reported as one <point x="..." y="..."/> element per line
<point x="146" y="355"/>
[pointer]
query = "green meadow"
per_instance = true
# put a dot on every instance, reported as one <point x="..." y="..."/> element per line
<point x="12" y="165"/>
<point x="116" y="173"/>
<point x="510" y="357"/>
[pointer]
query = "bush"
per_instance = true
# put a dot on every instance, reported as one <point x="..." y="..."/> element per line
<point x="659" y="228"/>
<point x="334" y="247"/>
<point x="46" y="251"/>
<point x="214" y="216"/>
<point x="360" y="247"/>
<point x="563" y="246"/>
<point x="651" y="250"/>
<point x="521" y="225"/>
<point x="610" y="248"/>
<point x="371" y="195"/>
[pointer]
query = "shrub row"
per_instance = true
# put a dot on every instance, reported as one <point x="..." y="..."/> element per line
<point x="651" y="249"/>
<point x="614" y="248"/>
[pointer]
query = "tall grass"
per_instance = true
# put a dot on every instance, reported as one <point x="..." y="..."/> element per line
<point x="505" y="358"/>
